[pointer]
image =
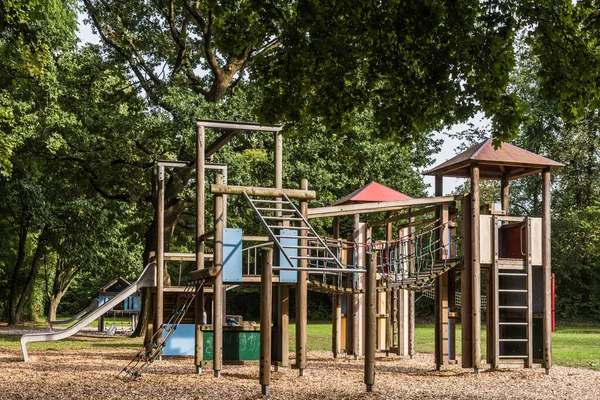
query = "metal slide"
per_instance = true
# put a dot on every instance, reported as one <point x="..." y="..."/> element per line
<point x="93" y="305"/>
<point x="146" y="279"/>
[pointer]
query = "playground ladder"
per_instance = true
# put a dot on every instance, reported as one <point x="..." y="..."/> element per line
<point x="153" y="350"/>
<point x="513" y="318"/>
<point x="274" y="211"/>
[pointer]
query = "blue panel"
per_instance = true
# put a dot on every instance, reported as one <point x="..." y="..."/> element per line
<point x="136" y="303"/>
<point x="288" y="276"/>
<point x="181" y="342"/>
<point x="232" y="255"/>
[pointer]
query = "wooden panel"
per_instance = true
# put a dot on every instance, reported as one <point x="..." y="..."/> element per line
<point x="485" y="241"/>
<point x="536" y="241"/>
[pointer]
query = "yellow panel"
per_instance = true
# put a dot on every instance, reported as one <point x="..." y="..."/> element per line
<point x="343" y="336"/>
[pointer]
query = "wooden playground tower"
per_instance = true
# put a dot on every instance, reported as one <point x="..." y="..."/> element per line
<point x="379" y="308"/>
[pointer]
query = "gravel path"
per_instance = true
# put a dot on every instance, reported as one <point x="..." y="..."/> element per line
<point x="88" y="374"/>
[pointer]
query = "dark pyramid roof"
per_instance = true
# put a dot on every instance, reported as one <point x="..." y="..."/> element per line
<point x="507" y="161"/>
<point x="372" y="192"/>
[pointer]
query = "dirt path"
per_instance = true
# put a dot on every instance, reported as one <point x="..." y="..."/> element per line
<point x="88" y="374"/>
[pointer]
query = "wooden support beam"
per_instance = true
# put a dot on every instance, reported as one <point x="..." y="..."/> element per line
<point x="404" y="216"/>
<point x="203" y="274"/>
<point x="218" y="284"/>
<point x="441" y="286"/>
<point x="199" y="256"/>
<point x="336" y="300"/>
<point x="266" y="305"/>
<point x="302" y="295"/>
<point x="263" y="192"/>
<point x="465" y="281"/>
<point x="547" y="271"/>
<point x="370" y="320"/>
<point x="351" y="209"/>
<point x="411" y="296"/>
<point x="160" y="251"/>
<point x="475" y="268"/>
<point x="505" y="194"/>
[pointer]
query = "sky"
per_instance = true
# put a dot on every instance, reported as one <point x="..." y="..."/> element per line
<point x="448" y="148"/>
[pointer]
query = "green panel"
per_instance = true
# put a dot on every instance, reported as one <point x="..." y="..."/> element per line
<point x="237" y="345"/>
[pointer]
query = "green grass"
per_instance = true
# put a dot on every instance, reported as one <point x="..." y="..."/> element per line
<point x="576" y="345"/>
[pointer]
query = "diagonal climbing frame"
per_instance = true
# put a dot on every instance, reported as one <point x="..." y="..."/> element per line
<point x="153" y="350"/>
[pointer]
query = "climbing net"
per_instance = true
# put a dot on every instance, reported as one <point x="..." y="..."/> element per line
<point x="412" y="261"/>
<point x="153" y="349"/>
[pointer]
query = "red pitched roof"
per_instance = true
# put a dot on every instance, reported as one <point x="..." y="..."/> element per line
<point x="507" y="161"/>
<point x="372" y="192"/>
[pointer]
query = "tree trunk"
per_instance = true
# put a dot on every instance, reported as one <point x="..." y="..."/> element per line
<point x="35" y="264"/>
<point x="14" y="282"/>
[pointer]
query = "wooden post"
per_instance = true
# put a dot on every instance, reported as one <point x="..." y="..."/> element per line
<point x="411" y="293"/>
<point x="465" y="282"/>
<point x="370" y="321"/>
<point x="160" y="251"/>
<point x="389" y="296"/>
<point x="505" y="190"/>
<point x="441" y="283"/>
<point x="476" y="268"/>
<point x="547" y="271"/>
<point x="266" y="304"/>
<point x="218" y="284"/>
<point x="336" y="300"/>
<point x="282" y="318"/>
<point x="452" y="288"/>
<point x="199" y="300"/>
<point x="302" y="295"/>
<point x="354" y="327"/>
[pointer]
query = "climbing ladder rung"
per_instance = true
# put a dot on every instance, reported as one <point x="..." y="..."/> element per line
<point x="293" y="228"/>
<point x="513" y="307"/>
<point x="294" y="237"/>
<point x="512" y="290"/>
<point x="312" y="258"/>
<point x="268" y="201"/>
<point x="513" y="323"/>
<point x="513" y="356"/>
<point x="282" y="219"/>
<point x="285" y="210"/>
<point x="512" y="274"/>
<point x="513" y="340"/>
<point x="289" y="246"/>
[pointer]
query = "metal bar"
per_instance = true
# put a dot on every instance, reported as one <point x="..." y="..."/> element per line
<point x="271" y="233"/>
<point x="336" y="270"/>
<point x="314" y="233"/>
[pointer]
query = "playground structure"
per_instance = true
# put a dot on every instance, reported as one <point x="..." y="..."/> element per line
<point x="130" y="307"/>
<point x="372" y="282"/>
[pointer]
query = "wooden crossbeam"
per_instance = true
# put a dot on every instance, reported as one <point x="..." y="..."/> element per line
<point x="263" y="192"/>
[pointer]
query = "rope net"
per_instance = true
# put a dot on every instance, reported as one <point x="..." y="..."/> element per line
<point x="412" y="261"/>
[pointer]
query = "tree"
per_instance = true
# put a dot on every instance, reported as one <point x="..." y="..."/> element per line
<point x="30" y="32"/>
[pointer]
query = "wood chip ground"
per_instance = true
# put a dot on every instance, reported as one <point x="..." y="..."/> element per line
<point x="89" y="374"/>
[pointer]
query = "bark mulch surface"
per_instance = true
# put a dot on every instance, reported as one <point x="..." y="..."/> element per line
<point x="89" y="374"/>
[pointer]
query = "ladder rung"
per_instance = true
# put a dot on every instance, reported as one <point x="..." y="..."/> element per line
<point x="514" y="307"/>
<point x="285" y="210"/>
<point x="513" y="340"/>
<point x="294" y="237"/>
<point x="513" y="323"/>
<point x="269" y="201"/>
<point x="297" y="228"/>
<point x="513" y="290"/>
<point x="302" y="247"/>
<point x="282" y="218"/>
<point x="312" y="258"/>
<point x="513" y="356"/>
<point x="512" y="274"/>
